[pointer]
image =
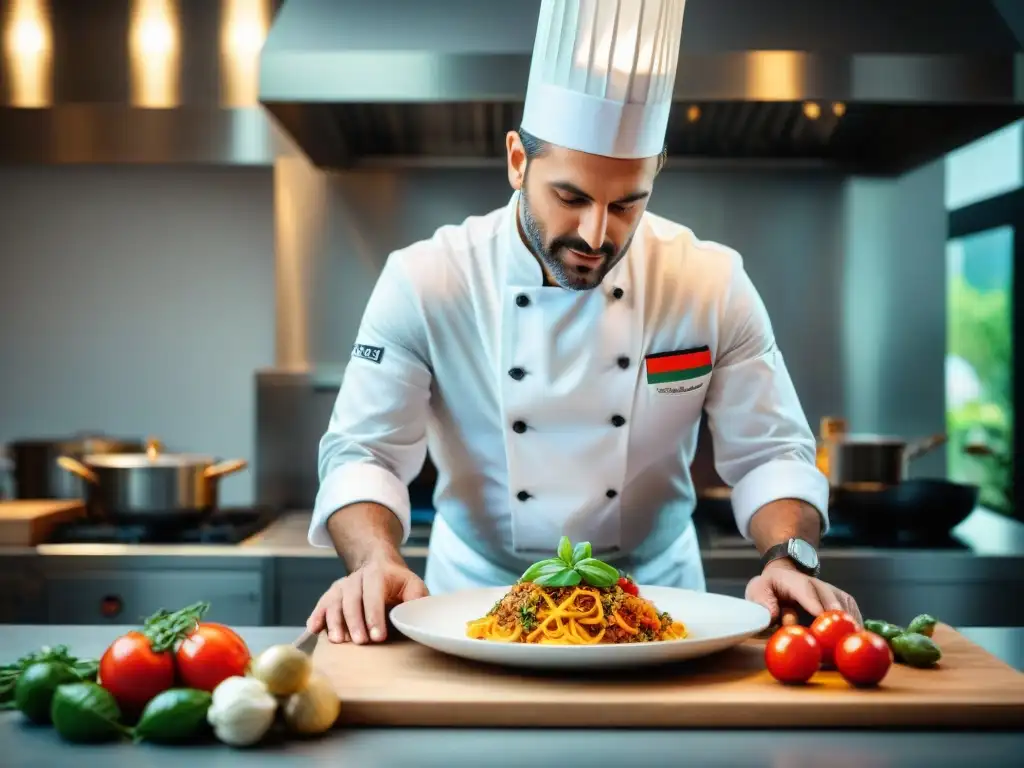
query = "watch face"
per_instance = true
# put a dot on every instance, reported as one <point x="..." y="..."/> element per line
<point x="803" y="553"/>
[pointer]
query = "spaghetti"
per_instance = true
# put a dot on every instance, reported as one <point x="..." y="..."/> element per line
<point x="574" y="615"/>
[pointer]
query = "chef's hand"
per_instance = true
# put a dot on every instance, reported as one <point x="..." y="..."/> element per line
<point x="780" y="583"/>
<point x="353" y="607"/>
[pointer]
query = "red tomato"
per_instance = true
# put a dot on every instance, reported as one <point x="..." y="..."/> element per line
<point x="829" y="629"/>
<point x="628" y="586"/>
<point x="134" y="673"/>
<point x="863" y="658"/>
<point x="210" y="654"/>
<point x="792" y="655"/>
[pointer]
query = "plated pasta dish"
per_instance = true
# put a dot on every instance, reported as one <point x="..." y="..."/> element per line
<point x="575" y="599"/>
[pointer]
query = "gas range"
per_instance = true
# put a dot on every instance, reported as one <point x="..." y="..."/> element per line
<point x="227" y="525"/>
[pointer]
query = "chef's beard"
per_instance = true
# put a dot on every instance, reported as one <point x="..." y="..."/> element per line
<point x="552" y="254"/>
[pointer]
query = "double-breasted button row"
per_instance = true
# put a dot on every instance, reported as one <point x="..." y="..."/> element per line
<point x="518" y="374"/>
<point x="522" y="300"/>
<point x="519" y="426"/>
<point x="611" y="493"/>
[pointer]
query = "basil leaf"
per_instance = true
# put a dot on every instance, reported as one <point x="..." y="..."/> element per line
<point x="567" y="577"/>
<point x="565" y="550"/>
<point x="541" y="568"/>
<point x="581" y="552"/>
<point x="85" y="712"/>
<point x="597" y="573"/>
<point x="176" y="715"/>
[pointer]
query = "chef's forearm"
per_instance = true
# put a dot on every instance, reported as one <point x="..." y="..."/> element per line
<point x="785" y="519"/>
<point x="363" y="531"/>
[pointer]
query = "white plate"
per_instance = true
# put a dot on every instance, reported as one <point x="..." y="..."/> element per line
<point x="714" y="623"/>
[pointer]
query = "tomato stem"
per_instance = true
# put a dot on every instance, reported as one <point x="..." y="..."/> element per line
<point x="164" y="629"/>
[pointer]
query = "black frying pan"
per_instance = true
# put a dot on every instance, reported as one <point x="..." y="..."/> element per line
<point x="925" y="507"/>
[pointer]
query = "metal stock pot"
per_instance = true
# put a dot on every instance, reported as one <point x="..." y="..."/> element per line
<point x="151" y="487"/>
<point x="861" y="460"/>
<point x="34" y="470"/>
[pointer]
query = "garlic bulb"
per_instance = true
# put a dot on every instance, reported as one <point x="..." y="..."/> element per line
<point x="283" y="668"/>
<point x="241" y="711"/>
<point x="313" y="709"/>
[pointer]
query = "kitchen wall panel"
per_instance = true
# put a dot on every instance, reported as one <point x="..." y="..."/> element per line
<point x="894" y="308"/>
<point x="137" y="301"/>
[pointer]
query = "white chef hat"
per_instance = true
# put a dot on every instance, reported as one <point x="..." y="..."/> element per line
<point x="602" y="75"/>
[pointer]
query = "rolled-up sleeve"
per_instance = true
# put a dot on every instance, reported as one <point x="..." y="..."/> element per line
<point x="375" y="443"/>
<point x="764" y="447"/>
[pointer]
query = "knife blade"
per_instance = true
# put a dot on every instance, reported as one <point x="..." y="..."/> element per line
<point x="306" y="642"/>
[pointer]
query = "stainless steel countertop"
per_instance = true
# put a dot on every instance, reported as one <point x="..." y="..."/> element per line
<point x="33" y="747"/>
<point x="285" y="537"/>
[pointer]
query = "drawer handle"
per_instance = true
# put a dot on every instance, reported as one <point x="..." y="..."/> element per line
<point x="111" y="606"/>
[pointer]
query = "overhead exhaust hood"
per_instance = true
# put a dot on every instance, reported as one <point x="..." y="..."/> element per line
<point x="866" y="86"/>
<point x="133" y="81"/>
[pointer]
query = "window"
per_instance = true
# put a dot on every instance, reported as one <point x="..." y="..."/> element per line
<point x="979" y="362"/>
<point x="985" y="168"/>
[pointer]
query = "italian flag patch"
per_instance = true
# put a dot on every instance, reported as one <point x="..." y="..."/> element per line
<point x="667" y="367"/>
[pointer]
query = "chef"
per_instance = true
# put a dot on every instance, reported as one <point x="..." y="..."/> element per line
<point x="555" y="356"/>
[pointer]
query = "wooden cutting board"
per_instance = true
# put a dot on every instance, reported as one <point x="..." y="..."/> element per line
<point x="401" y="683"/>
<point x="25" y="523"/>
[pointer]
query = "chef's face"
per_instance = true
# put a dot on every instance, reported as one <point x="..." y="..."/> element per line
<point x="578" y="212"/>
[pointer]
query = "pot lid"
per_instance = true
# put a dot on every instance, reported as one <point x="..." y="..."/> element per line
<point x="867" y="439"/>
<point x="143" y="460"/>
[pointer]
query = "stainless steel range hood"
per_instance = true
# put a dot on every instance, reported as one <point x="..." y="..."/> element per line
<point x="133" y="81"/>
<point x="868" y="86"/>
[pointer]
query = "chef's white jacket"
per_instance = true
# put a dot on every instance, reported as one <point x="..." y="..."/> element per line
<point x="535" y="404"/>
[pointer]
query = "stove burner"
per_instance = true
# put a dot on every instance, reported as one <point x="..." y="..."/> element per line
<point x="229" y="525"/>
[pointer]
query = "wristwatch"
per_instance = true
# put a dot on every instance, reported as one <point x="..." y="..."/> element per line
<point x="800" y="552"/>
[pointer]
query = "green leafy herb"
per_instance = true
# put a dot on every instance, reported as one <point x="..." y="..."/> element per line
<point x="567" y="577"/>
<point x="543" y="568"/>
<point x="174" y="716"/>
<point x="597" y="573"/>
<point x="85" y="713"/>
<point x="58" y="654"/>
<point x="164" y="629"/>
<point x="565" y="550"/>
<point x="528" y="617"/>
<point x="570" y="567"/>
<point x="580" y="552"/>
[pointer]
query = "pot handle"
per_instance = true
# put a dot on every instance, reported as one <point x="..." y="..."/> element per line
<point x="76" y="467"/>
<point x="922" y="447"/>
<point x="154" y="447"/>
<point x="225" y="468"/>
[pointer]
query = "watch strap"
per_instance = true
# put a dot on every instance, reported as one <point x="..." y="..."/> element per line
<point x="779" y="551"/>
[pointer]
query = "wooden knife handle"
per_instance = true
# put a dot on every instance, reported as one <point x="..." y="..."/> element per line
<point x="791" y="613"/>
